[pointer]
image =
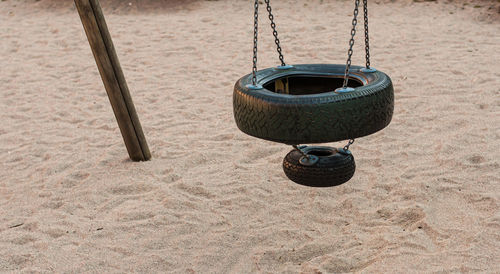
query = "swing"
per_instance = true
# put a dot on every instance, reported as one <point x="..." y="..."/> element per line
<point x="314" y="103"/>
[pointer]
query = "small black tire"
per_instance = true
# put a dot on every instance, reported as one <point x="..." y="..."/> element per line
<point x="334" y="167"/>
<point x="316" y="117"/>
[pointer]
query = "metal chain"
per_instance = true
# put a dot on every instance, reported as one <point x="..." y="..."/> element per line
<point x="275" y="33"/>
<point x="367" y="37"/>
<point x="351" y="43"/>
<point x="349" y="144"/>
<point x="300" y="150"/>
<point x="255" y="40"/>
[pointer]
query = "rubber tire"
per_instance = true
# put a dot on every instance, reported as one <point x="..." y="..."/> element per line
<point x="332" y="170"/>
<point x="316" y="118"/>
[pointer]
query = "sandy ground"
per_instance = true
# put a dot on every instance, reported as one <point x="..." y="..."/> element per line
<point x="425" y="197"/>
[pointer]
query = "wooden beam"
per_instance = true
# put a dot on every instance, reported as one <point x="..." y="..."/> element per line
<point x="112" y="76"/>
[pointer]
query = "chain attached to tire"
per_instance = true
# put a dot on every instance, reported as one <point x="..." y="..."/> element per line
<point x="351" y="43"/>
<point x="275" y="33"/>
<point x="255" y="40"/>
<point x="367" y="37"/>
<point x="349" y="144"/>
<point x="300" y="150"/>
<point x="281" y="58"/>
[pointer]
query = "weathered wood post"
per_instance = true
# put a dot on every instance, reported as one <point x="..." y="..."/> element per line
<point x="112" y="76"/>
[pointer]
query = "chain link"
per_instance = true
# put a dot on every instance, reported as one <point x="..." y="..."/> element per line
<point x="351" y="43"/>
<point x="300" y="150"/>
<point x="275" y="33"/>
<point x="255" y="40"/>
<point x="367" y="37"/>
<point x="349" y="144"/>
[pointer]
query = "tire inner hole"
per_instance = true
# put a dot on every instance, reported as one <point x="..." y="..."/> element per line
<point x="320" y="153"/>
<point x="305" y="85"/>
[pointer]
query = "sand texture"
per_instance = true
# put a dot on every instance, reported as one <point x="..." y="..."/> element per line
<point x="425" y="197"/>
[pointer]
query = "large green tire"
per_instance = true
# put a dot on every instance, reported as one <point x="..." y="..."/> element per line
<point x="313" y="117"/>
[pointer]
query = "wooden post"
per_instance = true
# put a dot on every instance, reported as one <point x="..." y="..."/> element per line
<point x="113" y="78"/>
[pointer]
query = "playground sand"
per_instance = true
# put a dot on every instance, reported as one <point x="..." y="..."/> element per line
<point x="425" y="196"/>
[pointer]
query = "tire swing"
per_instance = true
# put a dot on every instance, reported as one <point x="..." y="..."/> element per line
<point x="314" y="103"/>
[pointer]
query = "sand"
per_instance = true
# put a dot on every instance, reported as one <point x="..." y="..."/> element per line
<point x="425" y="197"/>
